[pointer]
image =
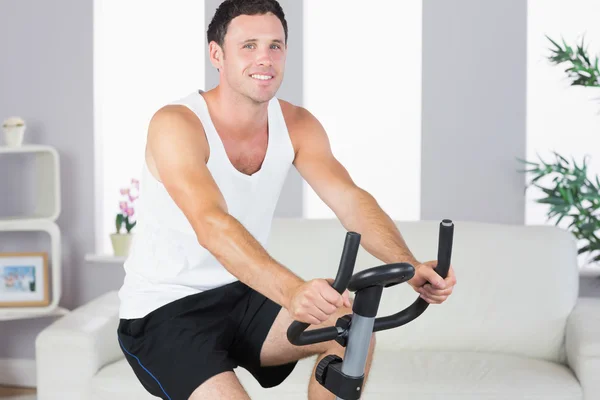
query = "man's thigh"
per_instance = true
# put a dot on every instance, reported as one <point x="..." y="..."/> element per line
<point x="277" y="349"/>
<point x="224" y="386"/>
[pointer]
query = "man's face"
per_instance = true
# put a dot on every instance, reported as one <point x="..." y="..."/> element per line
<point x="255" y="54"/>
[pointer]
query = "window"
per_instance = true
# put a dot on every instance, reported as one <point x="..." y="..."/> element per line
<point x="560" y="117"/>
<point x="366" y="92"/>
<point x="146" y="54"/>
<point x="357" y="81"/>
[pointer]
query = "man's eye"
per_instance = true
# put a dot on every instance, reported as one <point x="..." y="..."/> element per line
<point x="248" y="45"/>
<point x="276" y="46"/>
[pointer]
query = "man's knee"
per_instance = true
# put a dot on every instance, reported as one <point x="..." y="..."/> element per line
<point x="222" y="386"/>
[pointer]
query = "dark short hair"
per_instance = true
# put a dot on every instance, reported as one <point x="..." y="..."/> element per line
<point x="229" y="9"/>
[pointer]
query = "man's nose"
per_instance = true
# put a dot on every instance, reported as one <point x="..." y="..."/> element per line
<point x="264" y="57"/>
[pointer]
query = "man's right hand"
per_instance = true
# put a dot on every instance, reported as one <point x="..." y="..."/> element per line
<point x="314" y="301"/>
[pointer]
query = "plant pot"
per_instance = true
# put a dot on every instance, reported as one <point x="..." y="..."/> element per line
<point x="13" y="135"/>
<point x="121" y="243"/>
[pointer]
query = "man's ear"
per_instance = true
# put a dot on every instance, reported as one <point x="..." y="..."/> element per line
<point x="215" y="52"/>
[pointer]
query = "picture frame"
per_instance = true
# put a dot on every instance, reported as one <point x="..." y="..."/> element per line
<point x="24" y="280"/>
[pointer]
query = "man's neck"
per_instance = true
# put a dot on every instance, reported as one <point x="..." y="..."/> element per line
<point x="240" y="116"/>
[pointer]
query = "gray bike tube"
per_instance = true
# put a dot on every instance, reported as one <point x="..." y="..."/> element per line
<point x="357" y="349"/>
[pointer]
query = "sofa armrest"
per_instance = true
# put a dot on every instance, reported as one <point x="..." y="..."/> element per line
<point x="75" y="347"/>
<point x="583" y="345"/>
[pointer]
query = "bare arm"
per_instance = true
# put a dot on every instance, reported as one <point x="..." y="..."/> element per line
<point x="178" y="150"/>
<point x="356" y="209"/>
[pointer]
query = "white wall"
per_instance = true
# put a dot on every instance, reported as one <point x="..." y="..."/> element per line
<point x="146" y="53"/>
<point x="559" y="116"/>
<point x="363" y="82"/>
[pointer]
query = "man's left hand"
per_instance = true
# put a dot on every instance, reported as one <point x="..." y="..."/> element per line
<point x="432" y="288"/>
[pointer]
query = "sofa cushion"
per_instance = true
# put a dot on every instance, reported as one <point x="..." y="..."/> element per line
<point x="118" y="382"/>
<point x="400" y="374"/>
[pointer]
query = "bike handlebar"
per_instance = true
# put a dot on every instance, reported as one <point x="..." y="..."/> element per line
<point x="413" y="311"/>
<point x="296" y="332"/>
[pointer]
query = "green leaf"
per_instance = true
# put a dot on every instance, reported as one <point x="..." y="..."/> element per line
<point x="563" y="192"/>
<point x="552" y="200"/>
<point x="526" y="170"/>
<point x="129" y="225"/>
<point x="561" y="158"/>
<point x="590" y="196"/>
<point x="526" y="162"/>
<point x="553" y="42"/>
<point x="119" y="222"/>
<point x="570" y="199"/>
<point x="588" y="227"/>
<point x="536" y="179"/>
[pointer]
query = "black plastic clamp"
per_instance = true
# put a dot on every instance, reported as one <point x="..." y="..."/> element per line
<point x="344" y="323"/>
<point x="330" y="376"/>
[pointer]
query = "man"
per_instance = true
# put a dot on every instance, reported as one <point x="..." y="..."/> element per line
<point x="201" y="295"/>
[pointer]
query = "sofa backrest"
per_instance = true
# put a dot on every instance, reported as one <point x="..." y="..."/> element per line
<point x="516" y="284"/>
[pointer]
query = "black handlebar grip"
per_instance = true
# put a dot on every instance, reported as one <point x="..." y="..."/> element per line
<point x="347" y="262"/>
<point x="295" y="331"/>
<point x="445" y="247"/>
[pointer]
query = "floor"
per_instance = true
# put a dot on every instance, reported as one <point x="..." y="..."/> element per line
<point x="16" y="393"/>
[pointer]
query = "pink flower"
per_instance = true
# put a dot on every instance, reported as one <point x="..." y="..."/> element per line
<point x="124" y="191"/>
<point x="132" y="198"/>
<point x="123" y="206"/>
<point x="135" y="183"/>
<point x="129" y="211"/>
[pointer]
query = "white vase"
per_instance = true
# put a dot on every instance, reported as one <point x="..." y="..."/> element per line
<point x="121" y="243"/>
<point x="13" y="135"/>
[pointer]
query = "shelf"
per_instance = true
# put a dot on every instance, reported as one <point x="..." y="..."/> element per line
<point x="29" y="313"/>
<point x="29" y="148"/>
<point x="40" y="217"/>
<point x="47" y="182"/>
<point x="105" y="258"/>
<point x="14" y="225"/>
<point x="27" y="224"/>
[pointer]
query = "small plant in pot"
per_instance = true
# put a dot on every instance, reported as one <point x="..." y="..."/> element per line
<point x="124" y="223"/>
<point x="14" y="130"/>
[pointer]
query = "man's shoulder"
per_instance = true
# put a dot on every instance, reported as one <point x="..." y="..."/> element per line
<point x="296" y="116"/>
<point x="175" y="115"/>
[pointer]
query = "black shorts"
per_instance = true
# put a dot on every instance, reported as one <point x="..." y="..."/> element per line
<point x="177" y="347"/>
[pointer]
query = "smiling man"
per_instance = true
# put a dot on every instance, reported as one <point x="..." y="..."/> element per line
<point x="201" y="294"/>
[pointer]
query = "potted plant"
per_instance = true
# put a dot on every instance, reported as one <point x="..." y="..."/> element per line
<point x="121" y="239"/>
<point x="14" y="130"/>
<point x="571" y="195"/>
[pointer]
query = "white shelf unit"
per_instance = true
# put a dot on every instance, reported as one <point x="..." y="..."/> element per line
<point x="47" y="182"/>
<point x="40" y="219"/>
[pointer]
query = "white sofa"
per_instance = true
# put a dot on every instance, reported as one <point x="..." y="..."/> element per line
<point x="514" y="327"/>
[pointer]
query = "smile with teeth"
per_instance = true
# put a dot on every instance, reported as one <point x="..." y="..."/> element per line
<point x="262" y="77"/>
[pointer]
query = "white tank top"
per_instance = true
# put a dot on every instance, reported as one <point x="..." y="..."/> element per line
<point x="165" y="261"/>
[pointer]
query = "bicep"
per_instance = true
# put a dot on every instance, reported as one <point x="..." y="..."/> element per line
<point x="178" y="150"/>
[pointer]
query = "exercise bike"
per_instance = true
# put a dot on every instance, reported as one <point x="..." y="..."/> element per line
<point x="345" y="377"/>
